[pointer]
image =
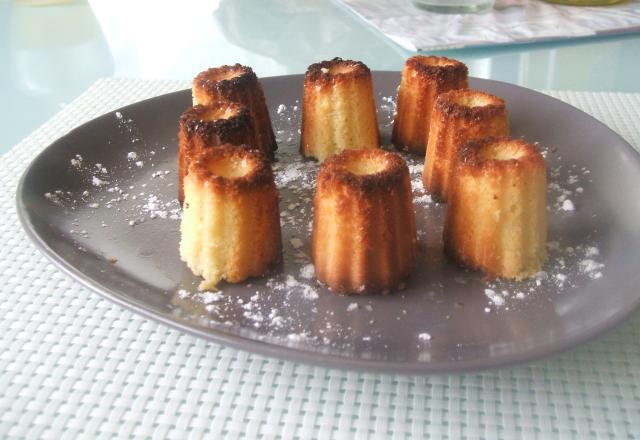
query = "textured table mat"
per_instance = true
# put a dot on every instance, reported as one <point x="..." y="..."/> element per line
<point x="509" y="22"/>
<point x="73" y="365"/>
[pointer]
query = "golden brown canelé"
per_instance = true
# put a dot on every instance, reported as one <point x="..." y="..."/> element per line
<point x="339" y="110"/>
<point x="458" y="116"/>
<point x="210" y="126"/>
<point x="364" y="232"/>
<point x="423" y="79"/>
<point x="237" y="84"/>
<point x="230" y="226"/>
<point x="496" y="218"/>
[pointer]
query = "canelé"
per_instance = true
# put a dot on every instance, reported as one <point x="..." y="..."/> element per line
<point x="458" y="116"/>
<point x="338" y="111"/>
<point x="423" y="79"/>
<point x="237" y="84"/>
<point x="210" y="126"/>
<point x="364" y="232"/>
<point x="496" y="218"/>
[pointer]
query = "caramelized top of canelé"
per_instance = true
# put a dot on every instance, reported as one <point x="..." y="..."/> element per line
<point x="498" y="153"/>
<point x="224" y="78"/>
<point x="469" y="104"/>
<point x="365" y="169"/>
<point x="207" y="120"/>
<point x="229" y="168"/>
<point x="335" y="70"/>
<point x="441" y="68"/>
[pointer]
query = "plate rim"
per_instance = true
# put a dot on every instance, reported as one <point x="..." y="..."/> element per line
<point x="288" y="353"/>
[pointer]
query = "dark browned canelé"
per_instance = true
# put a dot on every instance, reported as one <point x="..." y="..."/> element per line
<point x="237" y="84"/>
<point x="203" y="127"/>
<point x="423" y="79"/>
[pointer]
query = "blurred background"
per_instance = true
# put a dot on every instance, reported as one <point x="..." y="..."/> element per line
<point x="51" y="51"/>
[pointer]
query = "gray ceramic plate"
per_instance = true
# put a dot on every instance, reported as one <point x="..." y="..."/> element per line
<point x="113" y="227"/>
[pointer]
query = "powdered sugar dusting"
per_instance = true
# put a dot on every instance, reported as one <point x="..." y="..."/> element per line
<point x="307" y="271"/>
<point x="591" y="268"/>
<point x="96" y="181"/>
<point x="567" y="205"/>
<point x="496" y="299"/>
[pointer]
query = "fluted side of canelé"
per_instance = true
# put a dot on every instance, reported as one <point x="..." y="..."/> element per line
<point x="338" y="110"/>
<point x="496" y="218"/>
<point x="364" y="233"/>
<point x="237" y="84"/>
<point x="210" y="126"/>
<point x="230" y="227"/>
<point x="423" y="79"/>
<point x="458" y="116"/>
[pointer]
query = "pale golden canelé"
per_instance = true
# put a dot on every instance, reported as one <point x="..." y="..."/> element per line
<point x="364" y="232"/>
<point x="210" y="126"/>
<point x="338" y="110"/>
<point x="496" y="218"/>
<point x="230" y="226"/>
<point x="237" y="84"/>
<point x="458" y="116"/>
<point x="423" y="79"/>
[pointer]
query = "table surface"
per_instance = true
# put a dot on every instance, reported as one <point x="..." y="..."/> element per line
<point x="52" y="53"/>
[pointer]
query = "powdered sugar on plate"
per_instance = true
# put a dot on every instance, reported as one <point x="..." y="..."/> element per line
<point x="494" y="297"/>
<point x="119" y="187"/>
<point x="307" y="271"/>
<point x="567" y="268"/>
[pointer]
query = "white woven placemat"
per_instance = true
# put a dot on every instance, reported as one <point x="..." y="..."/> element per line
<point x="73" y="365"/>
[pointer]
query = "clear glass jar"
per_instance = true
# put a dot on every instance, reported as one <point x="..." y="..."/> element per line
<point x="454" y="6"/>
<point x="586" y="2"/>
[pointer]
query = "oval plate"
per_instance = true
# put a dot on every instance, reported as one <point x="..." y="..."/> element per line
<point x="114" y="227"/>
